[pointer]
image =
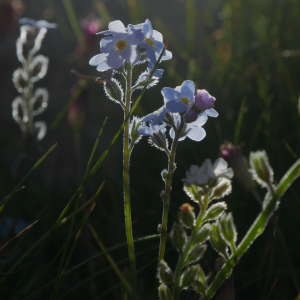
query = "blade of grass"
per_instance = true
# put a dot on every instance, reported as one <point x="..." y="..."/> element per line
<point x="73" y="20"/>
<point x="82" y="84"/>
<point x="18" y="235"/>
<point x="102" y="11"/>
<point x="239" y="123"/>
<point x="96" y="274"/>
<point x="19" y="186"/>
<point x="110" y="260"/>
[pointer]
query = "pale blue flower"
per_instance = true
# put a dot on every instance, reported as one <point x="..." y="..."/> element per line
<point x="208" y="171"/>
<point x="193" y="130"/>
<point x="153" y="122"/>
<point x="155" y="118"/>
<point x="151" y="41"/>
<point x="181" y="98"/>
<point x="117" y="47"/>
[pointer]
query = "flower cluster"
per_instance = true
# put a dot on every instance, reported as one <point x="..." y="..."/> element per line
<point x="185" y="111"/>
<point x="31" y="102"/>
<point x="190" y="234"/>
<point x="212" y="178"/>
<point x="132" y="44"/>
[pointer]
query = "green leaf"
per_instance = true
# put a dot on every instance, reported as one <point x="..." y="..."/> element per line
<point x="164" y="274"/>
<point x="191" y="277"/>
<point x="195" y="192"/>
<point x="228" y="230"/>
<point x="195" y="253"/>
<point x="217" y="241"/>
<point x="178" y="236"/>
<point x="114" y="91"/>
<point x="215" y="211"/>
<point x="202" y="234"/>
<point x="261" y="169"/>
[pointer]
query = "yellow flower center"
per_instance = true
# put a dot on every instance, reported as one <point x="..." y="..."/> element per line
<point x="185" y="100"/>
<point x="149" y="42"/>
<point x="121" y="45"/>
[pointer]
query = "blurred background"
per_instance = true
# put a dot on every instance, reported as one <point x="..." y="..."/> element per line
<point x="244" y="52"/>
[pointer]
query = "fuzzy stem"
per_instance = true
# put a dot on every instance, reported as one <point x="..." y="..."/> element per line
<point x="257" y="228"/>
<point x="166" y="198"/>
<point x="126" y="178"/>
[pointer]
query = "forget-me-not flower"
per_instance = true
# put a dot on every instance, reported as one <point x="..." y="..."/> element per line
<point x="151" y="41"/>
<point x="208" y="171"/>
<point x="117" y="46"/>
<point x="181" y="98"/>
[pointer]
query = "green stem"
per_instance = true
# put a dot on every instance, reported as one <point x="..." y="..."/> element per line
<point x="126" y="177"/>
<point x="166" y="198"/>
<point x="256" y="229"/>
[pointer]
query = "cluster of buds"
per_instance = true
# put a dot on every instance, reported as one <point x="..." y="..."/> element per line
<point x="31" y="102"/>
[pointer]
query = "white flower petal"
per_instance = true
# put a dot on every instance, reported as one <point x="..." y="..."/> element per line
<point x="117" y="26"/>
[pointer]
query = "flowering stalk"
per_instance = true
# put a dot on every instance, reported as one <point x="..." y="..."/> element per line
<point x="271" y="201"/>
<point x="126" y="174"/>
<point x="166" y="198"/>
<point x="31" y="102"/>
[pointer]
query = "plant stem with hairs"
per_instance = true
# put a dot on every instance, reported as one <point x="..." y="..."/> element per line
<point x="126" y="176"/>
<point x="166" y="194"/>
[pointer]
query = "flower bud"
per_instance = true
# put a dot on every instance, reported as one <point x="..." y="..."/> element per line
<point x="178" y="236"/>
<point x="165" y="274"/>
<point x="187" y="215"/>
<point x="261" y="169"/>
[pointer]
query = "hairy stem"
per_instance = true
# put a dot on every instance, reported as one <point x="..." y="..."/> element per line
<point x="126" y="177"/>
<point x="166" y="198"/>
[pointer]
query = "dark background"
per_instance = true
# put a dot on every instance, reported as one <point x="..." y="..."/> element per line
<point x="245" y="52"/>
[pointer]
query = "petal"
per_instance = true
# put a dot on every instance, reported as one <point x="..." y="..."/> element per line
<point x="176" y="106"/>
<point x="147" y="28"/>
<point x="211" y="112"/>
<point x="169" y="94"/>
<point x="167" y="55"/>
<point x="117" y="26"/>
<point x="157" y="36"/>
<point x="201" y="120"/>
<point x="196" y="133"/>
<point x="114" y="60"/>
<point x="188" y="89"/>
<point x="133" y="54"/>
<point x="98" y="59"/>
<point x="106" y="44"/>
<point x="156" y="117"/>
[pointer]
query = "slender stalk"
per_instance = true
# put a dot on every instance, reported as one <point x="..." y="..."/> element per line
<point x="166" y="198"/>
<point x="126" y="177"/>
<point x="256" y="229"/>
